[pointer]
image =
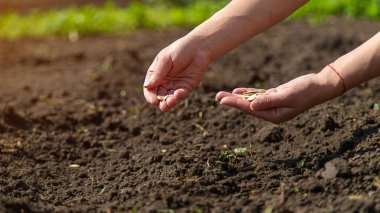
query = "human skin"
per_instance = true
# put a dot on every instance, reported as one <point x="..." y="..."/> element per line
<point x="292" y="98"/>
<point x="179" y="68"/>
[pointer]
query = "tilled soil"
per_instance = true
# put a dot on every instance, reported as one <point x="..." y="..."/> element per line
<point x="76" y="134"/>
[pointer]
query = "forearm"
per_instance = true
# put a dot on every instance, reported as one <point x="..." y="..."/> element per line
<point x="356" y="67"/>
<point x="361" y="64"/>
<point x="239" y="21"/>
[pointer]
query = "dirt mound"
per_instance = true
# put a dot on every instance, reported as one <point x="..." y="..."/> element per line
<point x="77" y="135"/>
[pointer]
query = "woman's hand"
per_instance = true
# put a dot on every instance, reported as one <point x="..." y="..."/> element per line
<point x="179" y="68"/>
<point x="288" y="100"/>
<point x="175" y="72"/>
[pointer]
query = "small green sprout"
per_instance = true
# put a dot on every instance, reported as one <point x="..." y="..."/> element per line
<point x="225" y="156"/>
<point x="82" y="129"/>
<point x="296" y="189"/>
<point x="166" y="211"/>
<point x="197" y="210"/>
<point x="123" y="93"/>
<point x="239" y="151"/>
<point x="135" y="209"/>
<point x="301" y="164"/>
<point x="376" y="106"/>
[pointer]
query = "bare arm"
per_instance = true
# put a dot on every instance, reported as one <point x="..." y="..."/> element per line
<point x="361" y="64"/>
<point x="239" y="21"/>
<point x="294" y="97"/>
<point x="179" y="68"/>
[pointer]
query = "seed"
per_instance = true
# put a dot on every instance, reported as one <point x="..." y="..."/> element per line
<point x="162" y="98"/>
<point x="250" y="95"/>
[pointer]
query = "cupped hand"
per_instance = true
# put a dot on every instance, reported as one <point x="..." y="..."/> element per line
<point x="175" y="72"/>
<point x="282" y="103"/>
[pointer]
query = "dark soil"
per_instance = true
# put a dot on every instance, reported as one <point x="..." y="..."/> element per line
<point x="77" y="135"/>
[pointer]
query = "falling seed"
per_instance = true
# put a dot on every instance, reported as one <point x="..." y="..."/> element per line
<point x="74" y="165"/>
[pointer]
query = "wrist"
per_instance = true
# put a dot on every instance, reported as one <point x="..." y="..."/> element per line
<point x="199" y="43"/>
<point x="331" y="83"/>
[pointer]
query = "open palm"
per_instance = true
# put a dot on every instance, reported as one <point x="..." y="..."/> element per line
<point x="282" y="103"/>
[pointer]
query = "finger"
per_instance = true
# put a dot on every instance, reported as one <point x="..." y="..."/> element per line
<point x="174" y="96"/>
<point x="162" y="91"/>
<point x="236" y="102"/>
<point x="171" y="101"/>
<point x="181" y="93"/>
<point x="159" y="71"/>
<point x="275" y="115"/>
<point x="268" y="101"/>
<point x="149" y="72"/>
<point x="163" y="106"/>
<point x="151" y="96"/>
<point x="220" y="95"/>
<point x="242" y="90"/>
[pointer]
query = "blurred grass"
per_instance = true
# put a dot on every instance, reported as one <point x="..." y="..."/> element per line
<point x="317" y="10"/>
<point x="161" y="14"/>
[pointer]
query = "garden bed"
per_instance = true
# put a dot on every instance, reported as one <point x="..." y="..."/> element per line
<point x="76" y="133"/>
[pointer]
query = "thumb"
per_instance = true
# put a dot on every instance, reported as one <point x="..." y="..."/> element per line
<point x="268" y="101"/>
<point x="158" y="71"/>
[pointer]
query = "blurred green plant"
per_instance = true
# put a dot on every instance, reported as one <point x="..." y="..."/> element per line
<point x="154" y="14"/>
<point x="376" y="106"/>
<point x="106" y="20"/>
<point x="317" y="10"/>
<point x="240" y="151"/>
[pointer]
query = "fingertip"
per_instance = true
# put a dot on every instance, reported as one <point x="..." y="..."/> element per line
<point x="226" y="100"/>
<point x="222" y="101"/>
<point x="171" y="101"/>
<point x="181" y="93"/>
<point x="222" y="94"/>
<point x="163" y="106"/>
<point x="218" y="96"/>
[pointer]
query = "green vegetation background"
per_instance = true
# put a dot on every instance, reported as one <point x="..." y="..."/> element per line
<point x="155" y="14"/>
